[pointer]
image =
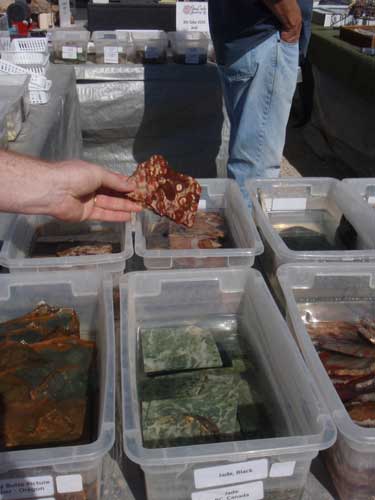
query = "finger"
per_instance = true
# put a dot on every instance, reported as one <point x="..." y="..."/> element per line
<point x="117" y="182"/>
<point x="116" y="204"/>
<point x="100" y="214"/>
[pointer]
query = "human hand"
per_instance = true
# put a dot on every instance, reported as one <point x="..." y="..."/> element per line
<point x="289" y="14"/>
<point x="84" y="191"/>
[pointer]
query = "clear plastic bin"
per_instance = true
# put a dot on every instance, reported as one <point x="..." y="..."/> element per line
<point x="70" y="46"/>
<point x="3" y="125"/>
<point x="16" y="86"/>
<point x="221" y="195"/>
<point x="189" y="47"/>
<point x="6" y="222"/>
<point x="315" y="205"/>
<point x="111" y="50"/>
<point x="47" y="471"/>
<point x="13" y="110"/>
<point x="334" y="292"/>
<point x="364" y="187"/>
<point x="15" y="254"/>
<point x="218" y="299"/>
<point x="150" y="46"/>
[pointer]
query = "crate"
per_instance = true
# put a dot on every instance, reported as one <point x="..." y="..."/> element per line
<point x="16" y="249"/>
<point x="334" y="292"/>
<point x="189" y="47"/>
<point x="39" y="96"/>
<point x="53" y="470"/>
<point x="361" y="36"/>
<point x="276" y="466"/>
<point x="35" y="62"/>
<point x="217" y="194"/>
<point x="30" y="45"/>
<point x="365" y="188"/>
<point x="37" y="80"/>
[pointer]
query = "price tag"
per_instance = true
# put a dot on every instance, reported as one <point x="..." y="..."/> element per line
<point x="371" y="200"/>
<point x="249" y="491"/>
<point x="202" y="205"/>
<point x="152" y="52"/>
<point x="69" y="52"/>
<point x="242" y="472"/>
<point x="192" y="16"/>
<point x="282" y="204"/>
<point x="192" y="55"/>
<point x="111" y="55"/>
<point x="26" y="487"/>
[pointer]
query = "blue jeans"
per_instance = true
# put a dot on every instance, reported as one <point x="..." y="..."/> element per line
<point x="258" y="90"/>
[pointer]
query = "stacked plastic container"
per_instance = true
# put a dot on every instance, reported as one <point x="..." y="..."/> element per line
<point x="69" y="471"/>
<point x="69" y="46"/>
<point x="259" y="468"/>
<point x="189" y="47"/>
<point x="334" y="292"/>
<point x="15" y="254"/>
<point x="217" y="194"/>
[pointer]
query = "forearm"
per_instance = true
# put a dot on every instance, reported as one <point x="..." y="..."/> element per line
<point x="288" y="13"/>
<point x="27" y="185"/>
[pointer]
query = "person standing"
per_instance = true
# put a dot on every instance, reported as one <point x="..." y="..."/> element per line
<point x="258" y="44"/>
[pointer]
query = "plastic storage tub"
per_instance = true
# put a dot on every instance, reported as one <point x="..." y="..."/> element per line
<point x="16" y="249"/>
<point x="364" y="187"/>
<point x="334" y="292"/>
<point x="109" y="49"/>
<point x="12" y="110"/>
<point x="16" y="86"/>
<point x="189" y="47"/>
<point x="217" y="194"/>
<point x="316" y="204"/>
<point x="36" y="473"/>
<point x="70" y="46"/>
<point x="279" y="466"/>
<point x="150" y="46"/>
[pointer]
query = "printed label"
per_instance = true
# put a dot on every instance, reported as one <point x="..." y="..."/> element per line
<point x="250" y="491"/>
<point x="26" y="487"/>
<point x="371" y="200"/>
<point x="280" y="204"/>
<point x="192" y="16"/>
<point x="231" y="474"/>
<point x="202" y="205"/>
<point x="282" y="469"/>
<point x="152" y="52"/>
<point x="69" y="52"/>
<point x="69" y="484"/>
<point x="192" y="56"/>
<point x="111" y="55"/>
<point x="79" y="50"/>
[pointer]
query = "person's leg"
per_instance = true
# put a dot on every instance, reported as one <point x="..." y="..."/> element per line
<point x="258" y="89"/>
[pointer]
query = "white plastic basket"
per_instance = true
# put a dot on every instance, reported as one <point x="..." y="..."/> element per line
<point x="44" y="85"/>
<point x="39" y="97"/>
<point x="30" y="45"/>
<point x="34" y="61"/>
<point x="12" y="69"/>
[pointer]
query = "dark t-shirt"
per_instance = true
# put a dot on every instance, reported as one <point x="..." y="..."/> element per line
<point x="251" y="22"/>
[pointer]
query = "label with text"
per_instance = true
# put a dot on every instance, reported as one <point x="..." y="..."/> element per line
<point x="231" y="474"/>
<point x="69" y="52"/>
<point x="248" y="491"/>
<point x="192" y="16"/>
<point x="152" y="52"/>
<point x="110" y="55"/>
<point x="192" y="55"/>
<point x="26" y="487"/>
<point x="202" y="205"/>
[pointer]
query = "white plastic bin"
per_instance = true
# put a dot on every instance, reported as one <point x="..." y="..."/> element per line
<point x="15" y="254"/>
<point x="365" y="188"/>
<point x="279" y="465"/>
<point x="49" y="471"/>
<point x="189" y="47"/>
<point x="70" y="46"/>
<point x="334" y="292"/>
<point x="217" y="194"/>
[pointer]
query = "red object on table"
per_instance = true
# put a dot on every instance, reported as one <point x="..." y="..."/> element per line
<point x="22" y="27"/>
